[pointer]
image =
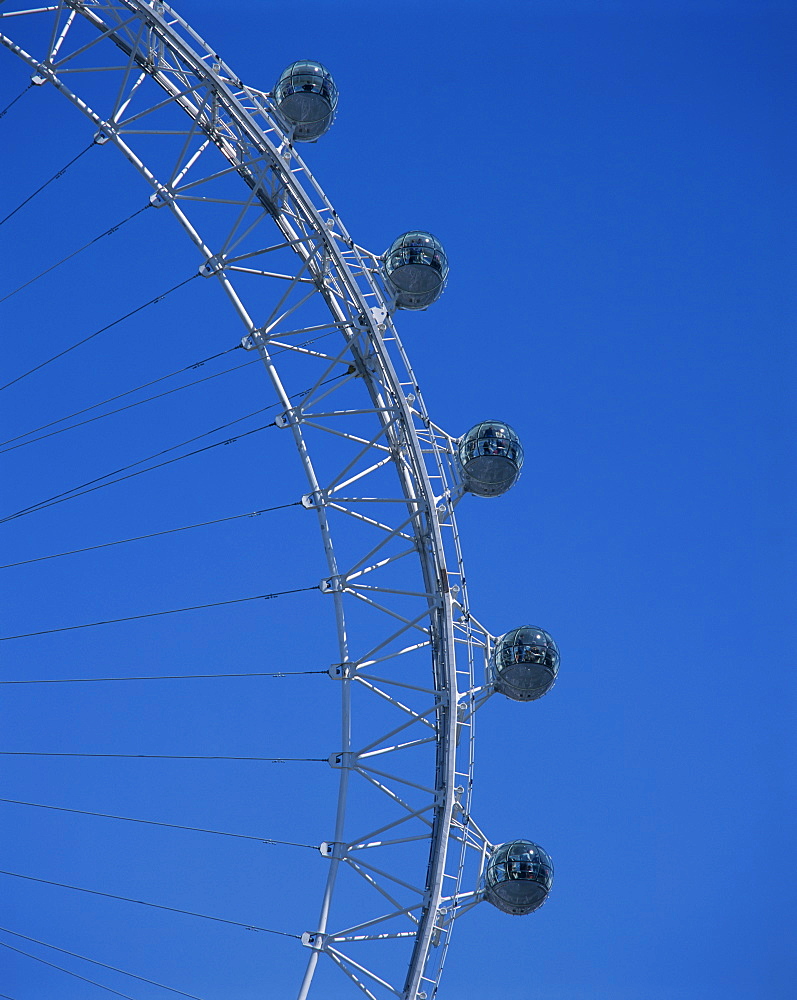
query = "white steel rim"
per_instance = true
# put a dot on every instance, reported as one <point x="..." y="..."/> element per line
<point x="241" y="123"/>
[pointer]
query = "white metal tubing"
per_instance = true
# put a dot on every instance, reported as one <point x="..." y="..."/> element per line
<point x="379" y="374"/>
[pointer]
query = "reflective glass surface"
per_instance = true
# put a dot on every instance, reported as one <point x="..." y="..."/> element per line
<point x="491" y="437"/>
<point x="491" y="457"/>
<point x="518" y="876"/>
<point x="307" y="77"/>
<point x="525" y="663"/>
<point x="527" y="645"/>
<point x="417" y="247"/>
<point x="306" y="96"/>
<point x="416" y="268"/>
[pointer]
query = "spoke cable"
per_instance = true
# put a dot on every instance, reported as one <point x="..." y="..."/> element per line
<point x="88" y="487"/>
<point x="168" y="677"/>
<point x="60" y="968"/>
<point x="55" y="177"/>
<point x="166" y="756"/>
<point x="3" y="113"/>
<point x="102" y="965"/>
<point x="157" y="906"/>
<point x="112" y="399"/>
<point x="146" y="385"/>
<point x="91" y="336"/>
<point x="74" y="253"/>
<point x="152" y="822"/>
<point x="156" y="614"/>
<point x="130" y="406"/>
<point x="154" y="534"/>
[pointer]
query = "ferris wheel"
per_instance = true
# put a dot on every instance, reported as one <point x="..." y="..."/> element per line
<point x="413" y="662"/>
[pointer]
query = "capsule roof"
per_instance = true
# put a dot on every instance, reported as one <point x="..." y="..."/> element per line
<point x="306" y="97"/>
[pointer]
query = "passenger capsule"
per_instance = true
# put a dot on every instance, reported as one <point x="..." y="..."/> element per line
<point x="524" y="663"/>
<point x="416" y="268"/>
<point x="518" y="877"/>
<point x="306" y="97"/>
<point x="491" y="457"/>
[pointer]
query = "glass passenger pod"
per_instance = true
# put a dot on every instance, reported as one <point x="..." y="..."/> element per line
<point x="306" y="97"/>
<point x="524" y="663"/>
<point x="491" y="457"/>
<point x="518" y="877"/>
<point x="416" y="269"/>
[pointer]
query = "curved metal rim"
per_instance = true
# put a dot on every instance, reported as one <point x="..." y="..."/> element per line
<point x="379" y="372"/>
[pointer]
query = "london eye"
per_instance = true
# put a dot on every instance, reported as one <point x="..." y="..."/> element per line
<point x="410" y="662"/>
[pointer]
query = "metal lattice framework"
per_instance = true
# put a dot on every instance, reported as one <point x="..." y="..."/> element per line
<point x="374" y="462"/>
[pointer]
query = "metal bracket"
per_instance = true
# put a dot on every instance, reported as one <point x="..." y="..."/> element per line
<point x="341" y="671"/>
<point x="213" y="265"/>
<point x="314" y="940"/>
<point x="439" y="925"/>
<point x="287" y="418"/>
<point x="312" y="501"/>
<point x="379" y="314"/>
<point x="333" y="849"/>
<point x="370" y="362"/>
<point x="332" y="585"/>
<point x="342" y="759"/>
<point x="262" y="333"/>
<point x="160" y="198"/>
<point x="459" y="791"/>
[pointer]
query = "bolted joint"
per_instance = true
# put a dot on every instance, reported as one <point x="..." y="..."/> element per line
<point x="213" y="265"/>
<point x="312" y="501"/>
<point x="286" y="419"/>
<point x="439" y="925"/>
<point x="314" y="940"/>
<point x="248" y="342"/>
<point x="345" y="758"/>
<point x="370" y="363"/>
<point x="160" y="198"/>
<point x="341" y="671"/>
<point x="379" y="318"/>
<point x="332" y="585"/>
<point x="459" y="791"/>
<point x="331" y="849"/>
<point x="440" y="797"/>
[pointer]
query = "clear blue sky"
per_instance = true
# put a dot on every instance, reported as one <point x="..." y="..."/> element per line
<point x="614" y="185"/>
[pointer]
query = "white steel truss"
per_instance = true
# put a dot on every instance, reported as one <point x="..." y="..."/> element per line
<point x="407" y="639"/>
